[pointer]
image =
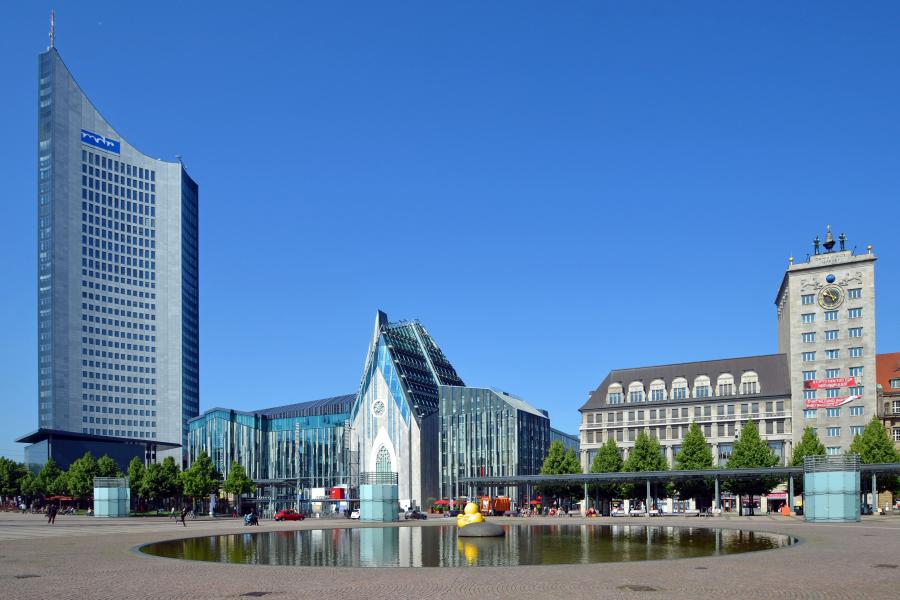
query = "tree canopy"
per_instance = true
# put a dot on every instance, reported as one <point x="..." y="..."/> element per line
<point x="238" y="482"/>
<point x="646" y="455"/>
<point x="201" y="478"/>
<point x="810" y="445"/>
<point x="751" y="451"/>
<point x="12" y="475"/>
<point x="81" y="476"/>
<point x="560" y="462"/>
<point x="695" y="455"/>
<point x="875" y="446"/>
<point x="107" y="467"/>
<point x="607" y="460"/>
<point x="136" y="471"/>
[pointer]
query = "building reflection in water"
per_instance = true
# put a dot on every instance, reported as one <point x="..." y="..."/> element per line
<point x="439" y="546"/>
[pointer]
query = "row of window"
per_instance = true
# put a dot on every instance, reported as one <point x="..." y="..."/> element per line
<point x="725" y="386"/>
<point x="119" y="389"/>
<point x="831" y="335"/>
<point x="123" y="279"/>
<point x="746" y="408"/>
<point x="852" y="294"/>
<point x="855" y="390"/>
<point x="832" y="315"/>
<point x="677" y="432"/>
<point x="812" y="413"/>
<point x="119" y="432"/>
<point x="118" y="400"/>
<point x="122" y="167"/>
<point x="123" y="180"/>
<point x="835" y="432"/>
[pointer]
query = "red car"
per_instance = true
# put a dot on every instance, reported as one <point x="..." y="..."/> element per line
<point x="289" y="514"/>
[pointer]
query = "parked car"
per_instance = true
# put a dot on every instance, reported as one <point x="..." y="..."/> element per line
<point x="289" y="514"/>
<point x="354" y="514"/>
<point x="414" y="514"/>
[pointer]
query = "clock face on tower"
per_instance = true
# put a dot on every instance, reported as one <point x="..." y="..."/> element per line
<point x="831" y="296"/>
<point x="378" y="408"/>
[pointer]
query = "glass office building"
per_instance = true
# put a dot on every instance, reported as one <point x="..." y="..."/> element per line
<point x="117" y="277"/>
<point x="286" y="450"/>
<point x="486" y="432"/>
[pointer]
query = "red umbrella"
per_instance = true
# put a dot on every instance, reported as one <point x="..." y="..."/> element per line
<point x="533" y="502"/>
<point x="441" y="502"/>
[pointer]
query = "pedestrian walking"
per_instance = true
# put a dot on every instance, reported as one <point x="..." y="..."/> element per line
<point x="184" y="512"/>
<point x="51" y="514"/>
<point x="172" y="514"/>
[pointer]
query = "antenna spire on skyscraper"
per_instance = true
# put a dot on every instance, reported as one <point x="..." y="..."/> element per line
<point x="52" y="28"/>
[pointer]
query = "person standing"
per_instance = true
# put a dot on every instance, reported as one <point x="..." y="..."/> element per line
<point x="51" y="514"/>
<point x="184" y="512"/>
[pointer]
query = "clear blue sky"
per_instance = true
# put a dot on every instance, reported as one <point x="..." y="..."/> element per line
<point x="554" y="189"/>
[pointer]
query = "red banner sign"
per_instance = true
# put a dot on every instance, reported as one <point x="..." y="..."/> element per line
<point x="829" y="384"/>
<point x="829" y="402"/>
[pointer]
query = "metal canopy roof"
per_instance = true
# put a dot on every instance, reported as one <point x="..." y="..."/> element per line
<point x="585" y="478"/>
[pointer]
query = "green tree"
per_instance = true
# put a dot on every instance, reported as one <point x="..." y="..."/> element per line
<point x="607" y="460"/>
<point x="80" y="479"/>
<point x="238" y="483"/>
<point x="171" y="480"/>
<point x="153" y="484"/>
<point x="646" y="455"/>
<point x="26" y="485"/>
<point x="695" y="455"/>
<point x="11" y="475"/>
<point x="809" y="445"/>
<point x="200" y="479"/>
<point x="49" y="479"/>
<point x="751" y="451"/>
<point x="107" y="467"/>
<point x="875" y="446"/>
<point x="560" y="462"/>
<point x="136" y="473"/>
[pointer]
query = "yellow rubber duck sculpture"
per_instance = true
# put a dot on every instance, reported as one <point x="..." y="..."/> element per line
<point x="472" y="515"/>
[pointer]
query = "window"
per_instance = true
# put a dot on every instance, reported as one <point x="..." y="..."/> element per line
<point x="896" y="432"/>
<point x="856" y="352"/>
<point x="856" y="371"/>
<point x="589" y="419"/>
<point x="856" y="411"/>
<point x="636" y="396"/>
<point x="809" y="394"/>
<point x="725" y="389"/>
<point x="895" y="407"/>
<point x="833" y="432"/>
<point x="829" y="373"/>
<point x="615" y="398"/>
<point x="809" y="375"/>
<point x="808" y="338"/>
<point x="832" y="354"/>
<point x="725" y="451"/>
<point x="657" y="395"/>
<point x="855" y="332"/>
<point x="679" y="388"/>
<point x="750" y="383"/>
<point x="833" y="412"/>
<point x="833" y="450"/>
<point x="831" y="315"/>
<point x="856" y="390"/>
<point x="854" y="294"/>
<point x="856" y="430"/>
<point x="831" y="335"/>
<point x="809" y="413"/>
<point x="895" y="384"/>
<point x="808" y="299"/>
<point x="702" y="392"/>
<point x="854" y="313"/>
<point x="833" y="393"/>
<point x="809" y="317"/>
<point x="809" y="356"/>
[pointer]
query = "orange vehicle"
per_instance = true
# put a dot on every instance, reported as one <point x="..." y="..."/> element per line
<point x="499" y="504"/>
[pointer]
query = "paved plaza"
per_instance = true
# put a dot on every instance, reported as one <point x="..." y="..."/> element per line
<point x="81" y="557"/>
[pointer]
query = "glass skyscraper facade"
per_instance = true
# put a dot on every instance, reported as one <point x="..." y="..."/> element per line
<point x="118" y="275"/>
<point x="486" y="432"/>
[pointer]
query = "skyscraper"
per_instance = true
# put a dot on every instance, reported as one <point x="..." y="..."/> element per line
<point x="118" y="314"/>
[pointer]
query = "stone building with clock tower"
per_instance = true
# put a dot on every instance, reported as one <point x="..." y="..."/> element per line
<point x="826" y="330"/>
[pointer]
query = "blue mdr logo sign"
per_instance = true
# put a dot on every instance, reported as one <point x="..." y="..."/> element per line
<point x="99" y="141"/>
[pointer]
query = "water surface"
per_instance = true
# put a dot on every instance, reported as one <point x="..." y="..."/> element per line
<point x="432" y="546"/>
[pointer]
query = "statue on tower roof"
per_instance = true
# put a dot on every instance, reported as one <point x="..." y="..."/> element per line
<point x="816" y="246"/>
<point x="843" y="240"/>
<point x="829" y="239"/>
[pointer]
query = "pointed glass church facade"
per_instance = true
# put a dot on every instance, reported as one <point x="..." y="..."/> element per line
<point x="394" y="422"/>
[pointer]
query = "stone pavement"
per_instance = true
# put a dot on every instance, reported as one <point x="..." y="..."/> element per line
<point x="87" y="558"/>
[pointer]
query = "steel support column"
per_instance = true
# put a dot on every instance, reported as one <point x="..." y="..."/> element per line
<point x="718" y="497"/>
<point x="647" y="506"/>
<point x="790" y="502"/>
